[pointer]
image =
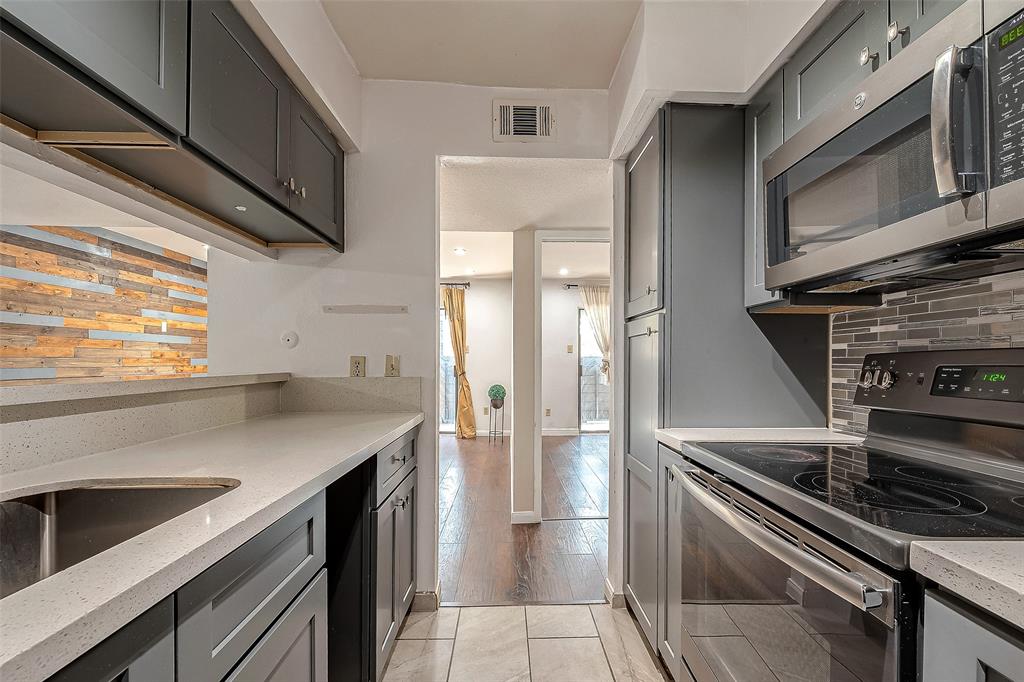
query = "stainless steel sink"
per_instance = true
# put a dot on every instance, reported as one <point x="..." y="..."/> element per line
<point x="46" y="532"/>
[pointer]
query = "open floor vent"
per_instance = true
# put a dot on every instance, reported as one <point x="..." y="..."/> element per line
<point x="523" y="121"/>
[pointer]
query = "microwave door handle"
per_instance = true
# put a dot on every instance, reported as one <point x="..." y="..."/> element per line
<point x="849" y="586"/>
<point x="948" y="179"/>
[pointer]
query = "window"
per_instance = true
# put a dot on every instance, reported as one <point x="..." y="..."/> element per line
<point x="448" y="388"/>
<point x="593" y="382"/>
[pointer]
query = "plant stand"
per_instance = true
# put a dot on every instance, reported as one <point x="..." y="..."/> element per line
<point x="496" y="432"/>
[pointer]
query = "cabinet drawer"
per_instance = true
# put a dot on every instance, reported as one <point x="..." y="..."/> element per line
<point x="295" y="647"/>
<point x="222" y="612"/>
<point x="394" y="463"/>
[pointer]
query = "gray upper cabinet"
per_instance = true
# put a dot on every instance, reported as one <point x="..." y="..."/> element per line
<point x="643" y="409"/>
<point x="138" y="49"/>
<point x="645" y="221"/>
<point x="239" y="109"/>
<point x="763" y="136"/>
<point x="294" y="649"/>
<point x="847" y="48"/>
<point x="317" y="171"/>
<point x="909" y="19"/>
<point x="141" y="650"/>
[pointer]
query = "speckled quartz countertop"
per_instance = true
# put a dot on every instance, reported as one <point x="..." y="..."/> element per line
<point x="281" y="460"/>
<point x="987" y="573"/>
<point x="674" y="438"/>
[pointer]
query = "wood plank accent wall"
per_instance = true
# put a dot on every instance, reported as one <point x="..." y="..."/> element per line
<point x="89" y="304"/>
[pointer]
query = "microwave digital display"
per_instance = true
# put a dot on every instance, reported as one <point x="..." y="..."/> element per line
<point x="1011" y="36"/>
<point x="979" y="382"/>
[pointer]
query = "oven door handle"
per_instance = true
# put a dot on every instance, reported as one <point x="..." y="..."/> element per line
<point x="949" y="180"/>
<point x="849" y="586"/>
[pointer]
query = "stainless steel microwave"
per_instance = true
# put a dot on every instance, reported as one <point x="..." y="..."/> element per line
<point x="918" y="176"/>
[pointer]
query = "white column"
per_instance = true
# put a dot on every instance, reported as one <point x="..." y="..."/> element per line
<point x="526" y="377"/>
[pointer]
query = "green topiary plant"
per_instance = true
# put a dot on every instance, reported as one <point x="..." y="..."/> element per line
<point x="496" y="392"/>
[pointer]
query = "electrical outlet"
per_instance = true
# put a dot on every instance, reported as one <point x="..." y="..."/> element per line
<point x="392" y="366"/>
<point x="357" y="365"/>
<point x="487" y="410"/>
<point x="547" y="411"/>
<point x="568" y="349"/>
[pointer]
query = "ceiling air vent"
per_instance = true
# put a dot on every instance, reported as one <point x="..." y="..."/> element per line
<point x="523" y="121"/>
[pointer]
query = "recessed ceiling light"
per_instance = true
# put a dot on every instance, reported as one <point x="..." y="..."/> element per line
<point x="240" y="208"/>
<point x="563" y="271"/>
<point x="459" y="251"/>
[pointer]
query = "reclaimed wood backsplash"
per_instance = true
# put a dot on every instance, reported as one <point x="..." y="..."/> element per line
<point x="89" y="304"/>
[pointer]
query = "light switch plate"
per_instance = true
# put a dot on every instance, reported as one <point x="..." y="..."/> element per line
<point x="568" y="349"/>
<point x="487" y="410"/>
<point x="392" y="366"/>
<point x="357" y="365"/>
<point x="547" y="412"/>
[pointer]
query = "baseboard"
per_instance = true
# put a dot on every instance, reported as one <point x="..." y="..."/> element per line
<point x="559" y="432"/>
<point x="525" y="517"/>
<point x="425" y="601"/>
<point x="616" y="599"/>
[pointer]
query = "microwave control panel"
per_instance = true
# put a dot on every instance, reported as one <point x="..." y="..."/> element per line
<point x="1006" y="73"/>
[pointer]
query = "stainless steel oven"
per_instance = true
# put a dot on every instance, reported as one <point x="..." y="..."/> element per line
<point x="758" y="597"/>
<point x="923" y="164"/>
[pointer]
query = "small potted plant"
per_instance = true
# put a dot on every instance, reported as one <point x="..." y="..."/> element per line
<point x="497" y="395"/>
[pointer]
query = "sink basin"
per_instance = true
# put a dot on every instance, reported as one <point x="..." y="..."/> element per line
<point x="46" y="532"/>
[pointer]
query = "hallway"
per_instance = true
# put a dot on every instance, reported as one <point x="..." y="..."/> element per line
<point x="484" y="560"/>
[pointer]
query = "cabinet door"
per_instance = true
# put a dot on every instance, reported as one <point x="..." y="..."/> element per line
<point x="385" y="590"/>
<point x="405" y="546"/>
<point x="240" y="100"/>
<point x="670" y="565"/>
<point x="910" y="19"/>
<point x="141" y="650"/>
<point x="763" y="136"/>
<point x="830" y="63"/>
<point x="294" y="649"/>
<point x="139" y="49"/>
<point x="317" y="169"/>
<point x="643" y="406"/>
<point x="645" y="220"/>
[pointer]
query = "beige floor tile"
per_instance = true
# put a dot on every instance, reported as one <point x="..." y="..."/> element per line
<point x="627" y="654"/>
<point x="420" y="660"/>
<point x="439" y="624"/>
<point x="565" y="659"/>
<point x="491" y="646"/>
<point x="559" y="621"/>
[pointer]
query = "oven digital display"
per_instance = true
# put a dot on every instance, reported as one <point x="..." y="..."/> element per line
<point x="983" y="383"/>
<point x="1011" y="36"/>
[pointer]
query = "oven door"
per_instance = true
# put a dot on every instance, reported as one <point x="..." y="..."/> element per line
<point x="900" y="166"/>
<point x="760" y="598"/>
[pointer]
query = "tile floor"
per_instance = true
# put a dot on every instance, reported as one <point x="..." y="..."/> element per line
<point x="522" y="643"/>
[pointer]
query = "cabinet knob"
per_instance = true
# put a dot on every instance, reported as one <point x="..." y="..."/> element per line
<point x="894" y="31"/>
<point x="866" y="55"/>
<point x="650" y="290"/>
<point x="301" y="192"/>
<point x="399" y="502"/>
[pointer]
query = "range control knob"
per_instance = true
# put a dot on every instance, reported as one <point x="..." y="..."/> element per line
<point x="887" y="379"/>
<point x="867" y="379"/>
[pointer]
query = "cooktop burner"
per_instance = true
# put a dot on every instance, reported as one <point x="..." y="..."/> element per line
<point x="890" y="491"/>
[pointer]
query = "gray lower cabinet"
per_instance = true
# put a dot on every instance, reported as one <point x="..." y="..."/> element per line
<point x="910" y="19"/>
<point x="394" y="571"/>
<point x="294" y="649"/>
<point x="670" y="561"/>
<point x="224" y="611"/>
<point x="240" y="99"/>
<point x="643" y="416"/>
<point x="138" y="49"/>
<point x="763" y="136"/>
<point x="141" y="650"/>
<point x="847" y="48"/>
<point x="317" y="171"/>
<point x="645" y="220"/>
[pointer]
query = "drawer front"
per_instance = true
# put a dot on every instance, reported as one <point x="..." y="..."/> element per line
<point x="225" y="610"/>
<point x="295" y="647"/>
<point x="394" y="463"/>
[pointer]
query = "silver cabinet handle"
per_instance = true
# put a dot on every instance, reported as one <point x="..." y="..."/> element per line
<point x="396" y="458"/>
<point x="301" y="192"/>
<point x="849" y="586"/>
<point x="949" y="180"/>
<point x="400" y="502"/>
<point x="866" y="55"/>
<point x="650" y="290"/>
<point x="893" y="31"/>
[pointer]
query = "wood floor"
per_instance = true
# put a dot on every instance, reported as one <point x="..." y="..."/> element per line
<point x="485" y="560"/>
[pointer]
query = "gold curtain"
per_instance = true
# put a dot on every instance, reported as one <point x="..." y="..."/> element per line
<point x="454" y="300"/>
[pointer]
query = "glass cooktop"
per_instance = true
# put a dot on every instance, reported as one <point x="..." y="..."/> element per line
<point x="888" y="491"/>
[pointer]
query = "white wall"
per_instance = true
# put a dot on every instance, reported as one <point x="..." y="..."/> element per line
<point x="392" y="252"/>
<point x="559" y="369"/>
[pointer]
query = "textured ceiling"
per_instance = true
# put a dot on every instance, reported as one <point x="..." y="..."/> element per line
<point x="512" y="43"/>
<point x="489" y="254"/>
